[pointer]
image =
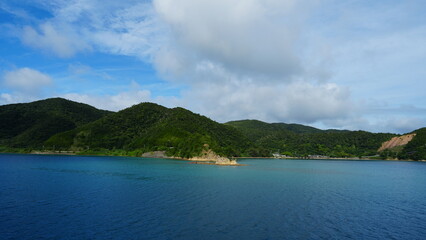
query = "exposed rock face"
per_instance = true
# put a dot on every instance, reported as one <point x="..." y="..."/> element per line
<point x="155" y="154"/>
<point x="207" y="155"/>
<point x="397" y="141"/>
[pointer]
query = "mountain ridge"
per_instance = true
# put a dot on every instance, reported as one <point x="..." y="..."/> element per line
<point x="304" y="140"/>
<point x="148" y="127"/>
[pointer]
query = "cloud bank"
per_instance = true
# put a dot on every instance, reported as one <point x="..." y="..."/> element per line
<point x="245" y="59"/>
<point x="274" y="60"/>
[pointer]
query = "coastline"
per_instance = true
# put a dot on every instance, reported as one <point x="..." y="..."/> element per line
<point x="196" y="160"/>
<point x="213" y="163"/>
<point x="341" y="159"/>
<point x="53" y="153"/>
<point x="204" y="161"/>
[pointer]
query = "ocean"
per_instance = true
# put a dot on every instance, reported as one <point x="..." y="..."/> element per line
<point x="86" y="197"/>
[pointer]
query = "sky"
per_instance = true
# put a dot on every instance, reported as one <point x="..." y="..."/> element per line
<point x="354" y="64"/>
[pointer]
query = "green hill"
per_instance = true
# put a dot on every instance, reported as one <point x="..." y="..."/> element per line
<point x="416" y="148"/>
<point x="150" y="127"/>
<point x="297" y="128"/>
<point x="59" y="124"/>
<point x="28" y="125"/>
<point x="300" y="140"/>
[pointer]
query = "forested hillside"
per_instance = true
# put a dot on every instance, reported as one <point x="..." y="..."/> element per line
<point x="299" y="140"/>
<point x="416" y="148"/>
<point x="59" y="124"/>
<point x="27" y="125"/>
<point x="151" y="127"/>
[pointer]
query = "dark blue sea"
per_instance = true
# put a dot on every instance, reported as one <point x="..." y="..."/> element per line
<point x="77" y="197"/>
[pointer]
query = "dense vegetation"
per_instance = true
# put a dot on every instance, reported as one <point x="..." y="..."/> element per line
<point x="150" y="127"/>
<point x="28" y="125"/>
<point x="59" y="124"/>
<point x="416" y="148"/>
<point x="299" y="140"/>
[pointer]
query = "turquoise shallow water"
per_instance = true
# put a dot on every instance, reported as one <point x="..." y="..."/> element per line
<point x="74" y="197"/>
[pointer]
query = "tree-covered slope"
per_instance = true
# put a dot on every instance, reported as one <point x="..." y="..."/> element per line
<point x="256" y="128"/>
<point x="148" y="127"/>
<point x="59" y="124"/>
<point x="416" y="148"/>
<point x="30" y="124"/>
<point x="299" y="140"/>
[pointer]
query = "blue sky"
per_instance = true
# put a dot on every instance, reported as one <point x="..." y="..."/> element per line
<point x="327" y="63"/>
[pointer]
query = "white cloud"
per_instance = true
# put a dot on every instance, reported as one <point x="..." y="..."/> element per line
<point x="17" y="97"/>
<point x="300" y="102"/>
<point x="64" y="43"/>
<point x="250" y="61"/>
<point x="23" y="85"/>
<point x="114" y="102"/>
<point x="16" y="12"/>
<point x="276" y="60"/>
<point x="6" y="98"/>
<point x="395" y="124"/>
<point x="249" y="37"/>
<point x="404" y="124"/>
<point x="26" y="80"/>
<point x="111" y="102"/>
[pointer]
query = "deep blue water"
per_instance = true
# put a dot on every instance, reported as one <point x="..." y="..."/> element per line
<point x="70" y="197"/>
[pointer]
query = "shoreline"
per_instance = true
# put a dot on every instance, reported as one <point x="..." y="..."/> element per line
<point x="205" y="162"/>
<point x="70" y="153"/>
<point x="341" y="159"/>
<point x="213" y="163"/>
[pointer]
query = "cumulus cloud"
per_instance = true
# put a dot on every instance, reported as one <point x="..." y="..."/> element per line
<point x="297" y="102"/>
<point x="23" y="85"/>
<point x="249" y="37"/>
<point x="250" y="61"/>
<point x="26" y="80"/>
<point x="275" y="60"/>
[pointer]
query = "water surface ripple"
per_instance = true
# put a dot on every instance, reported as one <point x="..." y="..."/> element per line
<point x="77" y="197"/>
